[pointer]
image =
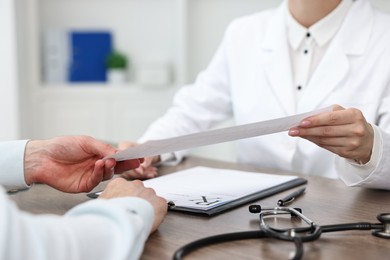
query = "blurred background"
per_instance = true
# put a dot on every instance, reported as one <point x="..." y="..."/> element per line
<point x="107" y="68"/>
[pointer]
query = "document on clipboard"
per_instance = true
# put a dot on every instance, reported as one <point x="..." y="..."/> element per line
<point x="209" y="191"/>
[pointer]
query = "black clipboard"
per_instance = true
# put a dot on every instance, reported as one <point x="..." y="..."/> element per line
<point x="257" y="195"/>
<point x="243" y="200"/>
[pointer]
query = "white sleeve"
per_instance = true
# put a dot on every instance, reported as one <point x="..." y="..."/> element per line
<point x="372" y="174"/>
<point x="98" y="229"/>
<point x="12" y="164"/>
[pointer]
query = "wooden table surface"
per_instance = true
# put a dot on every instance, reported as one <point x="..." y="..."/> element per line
<point x="325" y="201"/>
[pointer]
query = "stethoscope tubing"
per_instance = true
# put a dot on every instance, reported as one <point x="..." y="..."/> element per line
<point x="228" y="237"/>
<point x="351" y="226"/>
<point x="340" y="227"/>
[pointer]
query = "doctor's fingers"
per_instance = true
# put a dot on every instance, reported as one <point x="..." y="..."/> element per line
<point x="145" y="171"/>
<point x="339" y="117"/>
<point x="150" y="161"/>
<point x="349" y="148"/>
<point x="346" y="130"/>
<point x="140" y="173"/>
<point x="351" y="143"/>
<point x="126" y="144"/>
<point x="126" y="165"/>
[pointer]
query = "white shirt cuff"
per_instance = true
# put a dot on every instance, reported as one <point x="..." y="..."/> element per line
<point x="12" y="164"/>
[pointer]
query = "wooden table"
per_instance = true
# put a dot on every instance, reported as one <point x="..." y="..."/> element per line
<point x="326" y="201"/>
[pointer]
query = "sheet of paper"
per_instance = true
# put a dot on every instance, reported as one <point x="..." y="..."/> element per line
<point x="157" y="147"/>
<point x="205" y="188"/>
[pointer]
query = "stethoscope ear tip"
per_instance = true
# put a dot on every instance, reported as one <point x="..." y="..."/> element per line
<point x="254" y="208"/>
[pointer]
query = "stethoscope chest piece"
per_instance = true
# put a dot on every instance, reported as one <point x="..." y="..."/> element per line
<point x="384" y="218"/>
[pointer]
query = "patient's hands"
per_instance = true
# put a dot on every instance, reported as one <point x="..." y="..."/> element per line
<point x="118" y="188"/>
<point x="146" y="170"/>
<point x="72" y="163"/>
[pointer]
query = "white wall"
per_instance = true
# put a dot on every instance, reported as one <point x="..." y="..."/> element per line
<point x="207" y="21"/>
<point x="9" y="114"/>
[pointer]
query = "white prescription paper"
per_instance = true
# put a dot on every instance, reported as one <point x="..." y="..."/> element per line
<point x="157" y="147"/>
<point x="205" y="188"/>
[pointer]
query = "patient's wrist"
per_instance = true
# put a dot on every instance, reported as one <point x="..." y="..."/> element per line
<point x="32" y="161"/>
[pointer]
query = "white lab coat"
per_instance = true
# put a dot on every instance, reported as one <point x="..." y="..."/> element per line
<point x="250" y="79"/>
<point x="98" y="229"/>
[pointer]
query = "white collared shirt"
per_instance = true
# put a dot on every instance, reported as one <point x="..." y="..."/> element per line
<point x="307" y="48"/>
<point x="308" y="45"/>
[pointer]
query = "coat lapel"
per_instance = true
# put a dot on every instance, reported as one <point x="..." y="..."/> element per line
<point x="329" y="74"/>
<point x="276" y="61"/>
<point x="351" y="40"/>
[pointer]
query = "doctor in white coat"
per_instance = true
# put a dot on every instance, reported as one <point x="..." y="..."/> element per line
<point x="304" y="55"/>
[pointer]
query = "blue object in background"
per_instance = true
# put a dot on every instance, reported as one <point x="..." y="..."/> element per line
<point x="89" y="50"/>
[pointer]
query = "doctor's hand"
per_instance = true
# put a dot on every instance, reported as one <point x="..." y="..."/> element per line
<point x="146" y="170"/>
<point x="343" y="131"/>
<point x="72" y="163"/>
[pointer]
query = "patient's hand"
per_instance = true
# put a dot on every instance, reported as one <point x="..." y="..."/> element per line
<point x="146" y="170"/>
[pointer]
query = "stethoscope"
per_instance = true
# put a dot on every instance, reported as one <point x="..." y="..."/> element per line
<point x="298" y="235"/>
